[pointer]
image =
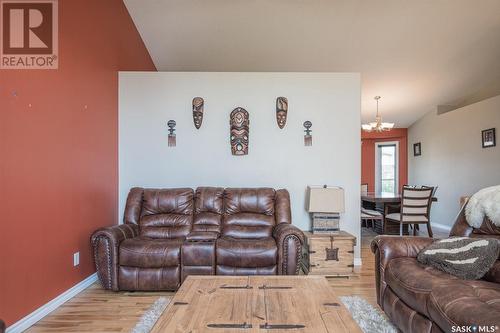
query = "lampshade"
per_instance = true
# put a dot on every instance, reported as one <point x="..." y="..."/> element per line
<point x="325" y="199"/>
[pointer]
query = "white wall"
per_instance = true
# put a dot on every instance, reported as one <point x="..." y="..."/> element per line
<point x="452" y="156"/>
<point x="277" y="158"/>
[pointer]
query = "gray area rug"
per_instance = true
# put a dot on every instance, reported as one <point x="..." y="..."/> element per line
<point x="369" y="319"/>
<point x="150" y="317"/>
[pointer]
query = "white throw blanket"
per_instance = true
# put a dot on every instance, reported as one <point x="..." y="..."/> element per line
<point x="486" y="202"/>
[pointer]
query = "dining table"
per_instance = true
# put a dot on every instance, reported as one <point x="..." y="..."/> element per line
<point x="386" y="203"/>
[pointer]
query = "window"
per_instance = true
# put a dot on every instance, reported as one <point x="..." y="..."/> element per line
<point x="386" y="167"/>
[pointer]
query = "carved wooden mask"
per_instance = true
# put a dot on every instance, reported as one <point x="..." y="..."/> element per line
<point x="198" y="106"/>
<point x="281" y="111"/>
<point x="239" y="121"/>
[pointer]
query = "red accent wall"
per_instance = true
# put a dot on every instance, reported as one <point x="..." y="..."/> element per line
<point x="59" y="157"/>
<point x="368" y="140"/>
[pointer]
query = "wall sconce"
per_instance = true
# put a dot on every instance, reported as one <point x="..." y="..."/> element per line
<point x="171" y="135"/>
<point x="308" y="137"/>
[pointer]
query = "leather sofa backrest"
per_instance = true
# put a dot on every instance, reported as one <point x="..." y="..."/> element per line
<point x="234" y="212"/>
<point x="208" y="209"/>
<point x="489" y="230"/>
<point x="249" y="212"/>
<point x="133" y="206"/>
<point x="486" y="230"/>
<point x="462" y="228"/>
<point x="166" y="213"/>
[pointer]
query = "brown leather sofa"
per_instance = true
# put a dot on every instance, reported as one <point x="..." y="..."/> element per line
<point x="420" y="298"/>
<point x="169" y="234"/>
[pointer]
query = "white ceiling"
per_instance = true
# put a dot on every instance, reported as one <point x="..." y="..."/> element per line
<point x="415" y="54"/>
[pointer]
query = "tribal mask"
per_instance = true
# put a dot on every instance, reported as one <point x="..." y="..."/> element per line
<point x="198" y="104"/>
<point x="281" y="111"/>
<point x="239" y="121"/>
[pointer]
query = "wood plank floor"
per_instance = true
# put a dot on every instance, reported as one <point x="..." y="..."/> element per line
<point x="98" y="310"/>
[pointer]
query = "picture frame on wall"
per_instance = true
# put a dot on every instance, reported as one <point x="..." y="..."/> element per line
<point x="417" y="149"/>
<point x="488" y="138"/>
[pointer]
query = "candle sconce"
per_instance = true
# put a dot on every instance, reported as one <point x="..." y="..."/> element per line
<point x="307" y="136"/>
<point x="171" y="135"/>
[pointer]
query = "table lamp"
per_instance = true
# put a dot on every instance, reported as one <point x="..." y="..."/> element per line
<point x="325" y="203"/>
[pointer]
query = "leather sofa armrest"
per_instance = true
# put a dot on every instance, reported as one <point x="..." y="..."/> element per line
<point x="105" y="243"/>
<point x="461" y="227"/>
<point x="283" y="212"/>
<point x="289" y="240"/>
<point x="386" y="248"/>
<point x="202" y="236"/>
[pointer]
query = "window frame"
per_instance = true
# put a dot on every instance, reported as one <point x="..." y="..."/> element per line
<point x="378" y="150"/>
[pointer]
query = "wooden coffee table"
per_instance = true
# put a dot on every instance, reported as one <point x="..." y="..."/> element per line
<point x="256" y="304"/>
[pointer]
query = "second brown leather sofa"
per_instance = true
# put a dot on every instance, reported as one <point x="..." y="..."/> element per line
<point x="419" y="298"/>
<point x="169" y="234"/>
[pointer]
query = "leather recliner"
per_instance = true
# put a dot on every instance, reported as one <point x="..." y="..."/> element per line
<point x="419" y="298"/>
<point x="169" y="234"/>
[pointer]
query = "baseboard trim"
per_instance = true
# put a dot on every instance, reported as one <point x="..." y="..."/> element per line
<point x="441" y="226"/>
<point x="47" y="308"/>
<point x="357" y="262"/>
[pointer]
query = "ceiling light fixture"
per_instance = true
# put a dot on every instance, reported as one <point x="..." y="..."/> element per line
<point x="377" y="125"/>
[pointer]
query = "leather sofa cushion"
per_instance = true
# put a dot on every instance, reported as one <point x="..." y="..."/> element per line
<point x="412" y="282"/>
<point x="487" y="228"/>
<point x="246" y="252"/>
<point x="148" y="279"/>
<point x="404" y="317"/>
<point x="202" y="236"/>
<point x="493" y="274"/>
<point x="249" y="200"/>
<point x="150" y="253"/>
<point x="208" y="208"/>
<point x="228" y="270"/>
<point x="166" y="213"/>
<point x="248" y="225"/>
<point x="463" y="302"/>
<point x="207" y="221"/>
<point x="198" y="254"/>
<point x="165" y="226"/>
<point x="209" y="199"/>
<point x="167" y="201"/>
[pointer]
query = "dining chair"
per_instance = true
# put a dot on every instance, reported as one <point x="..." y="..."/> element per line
<point x="364" y="189"/>
<point x="435" y="188"/>
<point x="369" y="215"/>
<point x="415" y="208"/>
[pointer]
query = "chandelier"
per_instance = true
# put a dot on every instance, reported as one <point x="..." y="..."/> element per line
<point x="377" y="125"/>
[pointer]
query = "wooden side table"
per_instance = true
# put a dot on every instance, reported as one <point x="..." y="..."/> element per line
<point x="329" y="254"/>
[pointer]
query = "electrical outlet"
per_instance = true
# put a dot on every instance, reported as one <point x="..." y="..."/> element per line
<point x="76" y="259"/>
